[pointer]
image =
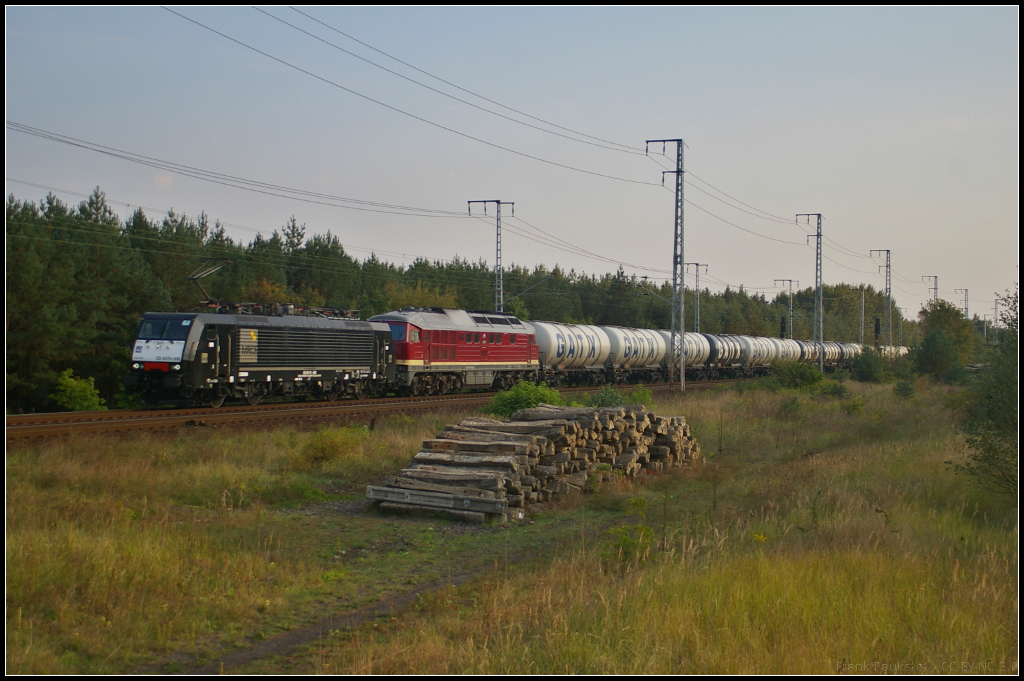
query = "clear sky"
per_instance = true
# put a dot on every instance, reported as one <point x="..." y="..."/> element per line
<point x="900" y="126"/>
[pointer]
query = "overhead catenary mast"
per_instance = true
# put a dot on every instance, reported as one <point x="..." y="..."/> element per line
<point x="499" y="291"/>
<point x="964" y="291"/>
<point x="888" y="289"/>
<point x="819" y="313"/>
<point x="696" y="305"/>
<point x="678" y="348"/>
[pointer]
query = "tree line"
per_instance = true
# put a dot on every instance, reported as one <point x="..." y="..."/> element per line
<point x="79" y="279"/>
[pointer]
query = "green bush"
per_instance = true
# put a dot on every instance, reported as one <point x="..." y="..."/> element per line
<point x="904" y="368"/>
<point x="524" y="395"/>
<point x="956" y="374"/>
<point x="904" y="390"/>
<point x="790" y="407"/>
<point x="867" y="367"/>
<point x="606" y="397"/>
<point x="835" y="389"/>
<point x="796" y="374"/>
<point x="127" y="400"/>
<point x="854" y="406"/>
<point x="77" y="394"/>
<point x="936" y="355"/>
<point x="641" y="395"/>
<point x="989" y="416"/>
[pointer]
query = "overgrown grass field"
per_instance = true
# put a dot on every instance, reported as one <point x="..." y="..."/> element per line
<point x="823" y="533"/>
<point x="133" y="549"/>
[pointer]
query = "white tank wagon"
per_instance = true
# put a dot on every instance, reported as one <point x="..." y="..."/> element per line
<point x="833" y="353"/>
<point x="808" y="351"/>
<point x="786" y="350"/>
<point x="726" y="354"/>
<point x="763" y="351"/>
<point x="892" y="351"/>
<point x="696" y="346"/>
<point x="625" y="345"/>
<point x="850" y="351"/>
<point x="636" y="355"/>
<point x="577" y="353"/>
<point x="657" y="349"/>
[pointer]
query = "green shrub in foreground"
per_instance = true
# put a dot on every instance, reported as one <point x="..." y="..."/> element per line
<point x="607" y="396"/>
<point x="77" y="394"/>
<point x="796" y="374"/>
<point x="524" y="395"/>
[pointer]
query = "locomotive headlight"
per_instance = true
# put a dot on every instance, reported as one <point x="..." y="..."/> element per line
<point x="136" y="366"/>
<point x="176" y="367"/>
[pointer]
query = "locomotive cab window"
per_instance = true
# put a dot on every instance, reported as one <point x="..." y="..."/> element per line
<point x="164" y="329"/>
<point x="414" y="335"/>
<point x="397" y="332"/>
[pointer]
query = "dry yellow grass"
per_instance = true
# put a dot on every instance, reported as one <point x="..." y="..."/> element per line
<point x="120" y="549"/>
<point x="822" y="540"/>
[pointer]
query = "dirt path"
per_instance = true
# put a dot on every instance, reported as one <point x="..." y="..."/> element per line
<point x="289" y="642"/>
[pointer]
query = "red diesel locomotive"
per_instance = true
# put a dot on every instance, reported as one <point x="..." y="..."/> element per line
<point x="439" y="351"/>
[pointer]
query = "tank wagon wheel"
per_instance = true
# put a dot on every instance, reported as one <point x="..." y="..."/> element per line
<point x="216" y="401"/>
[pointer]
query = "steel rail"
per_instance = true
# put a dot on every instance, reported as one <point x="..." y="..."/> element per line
<point x="22" y="426"/>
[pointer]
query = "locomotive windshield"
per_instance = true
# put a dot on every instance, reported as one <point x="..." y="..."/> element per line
<point x="397" y="331"/>
<point x="164" y="329"/>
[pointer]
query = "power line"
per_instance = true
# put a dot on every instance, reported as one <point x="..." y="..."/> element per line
<point x="771" y="215"/>
<point x="235" y="181"/>
<point x="765" y="215"/>
<point x="547" y="239"/>
<point x="744" y="229"/>
<point x="432" y="89"/>
<point x="405" y="113"/>
<point x="572" y="248"/>
<point x="625" y="147"/>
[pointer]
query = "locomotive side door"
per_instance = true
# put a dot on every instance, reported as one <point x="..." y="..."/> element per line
<point x="218" y="351"/>
<point x="426" y="349"/>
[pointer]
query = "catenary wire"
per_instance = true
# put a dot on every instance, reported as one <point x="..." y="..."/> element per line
<point x="406" y="113"/>
<point x="625" y="147"/>
<point x="440" y="92"/>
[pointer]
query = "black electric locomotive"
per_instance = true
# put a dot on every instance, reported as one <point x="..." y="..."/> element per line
<point x="200" y="358"/>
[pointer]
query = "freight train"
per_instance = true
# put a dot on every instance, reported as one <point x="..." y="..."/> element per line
<point x="202" y="358"/>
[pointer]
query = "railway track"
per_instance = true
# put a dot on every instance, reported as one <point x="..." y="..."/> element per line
<point x="54" y="424"/>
